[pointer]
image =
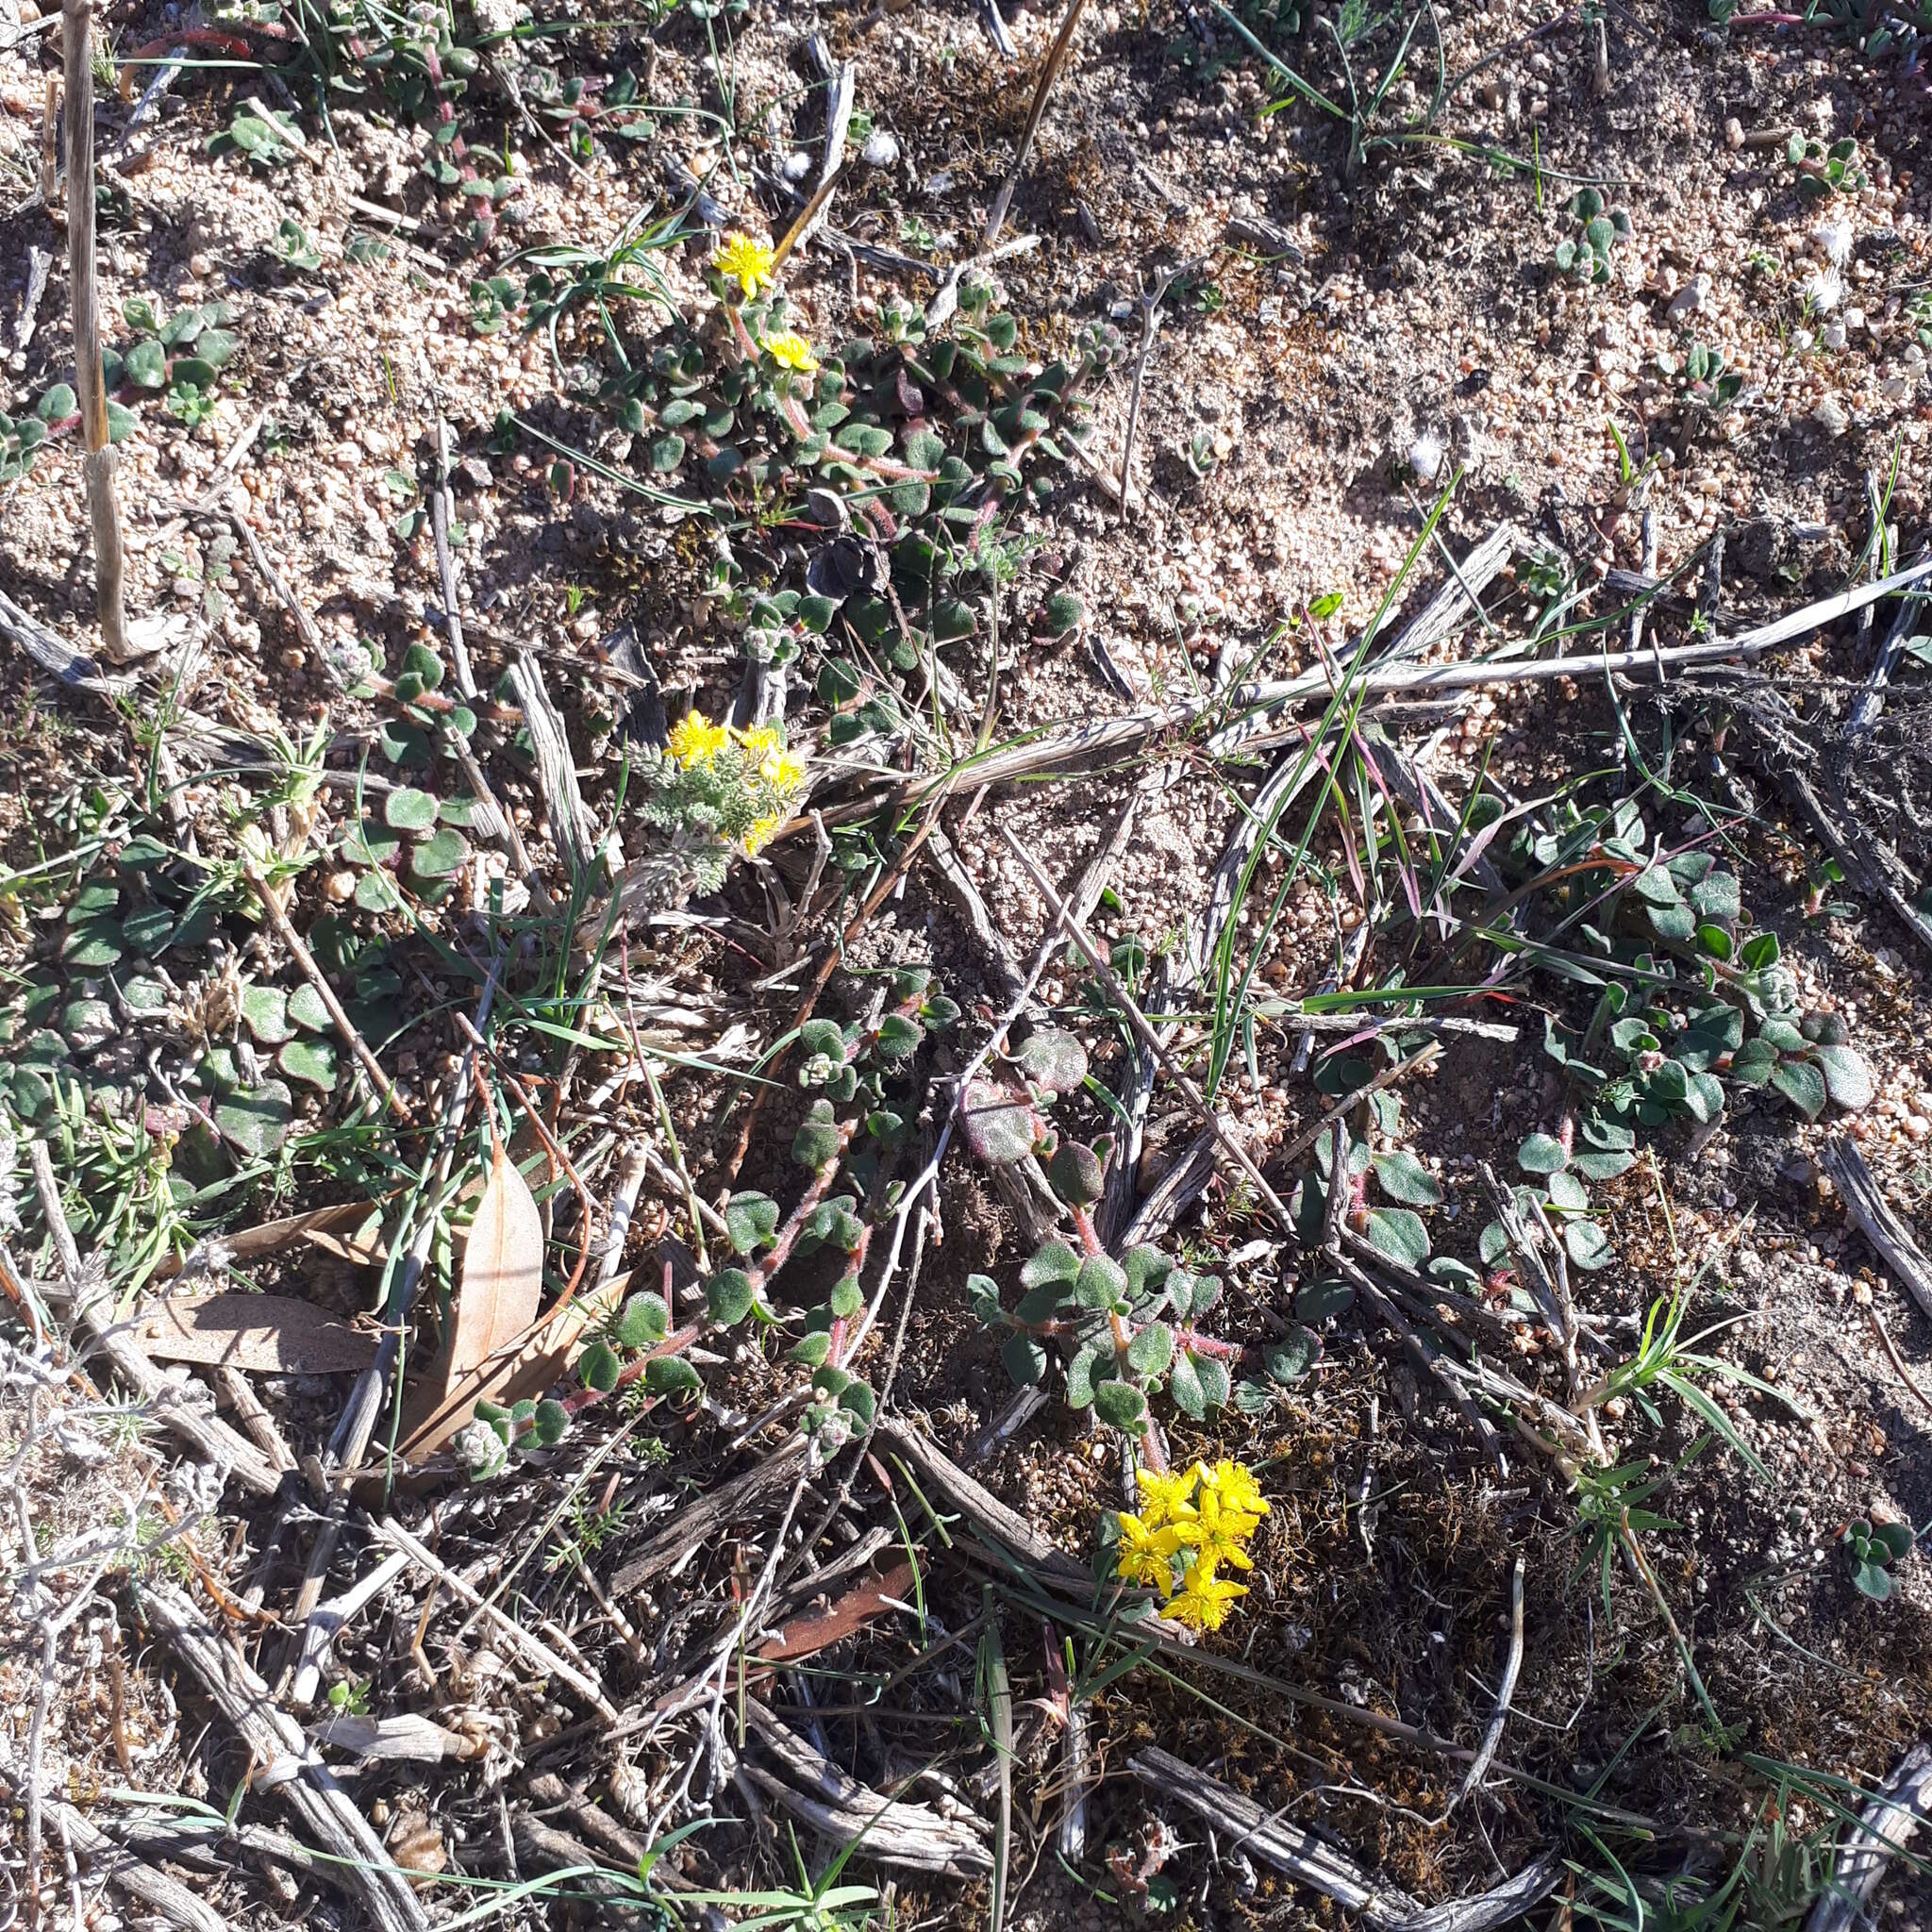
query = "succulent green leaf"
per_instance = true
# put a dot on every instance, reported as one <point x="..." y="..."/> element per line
<point x="1321" y="1299"/>
<point x="311" y="1060"/>
<point x="1399" y="1234"/>
<point x="1404" y="1178"/>
<point x="265" y="1013"/>
<point x="642" y="1321"/>
<point x="728" y="1297"/>
<point x="1026" y="1360"/>
<point x="750" y="1221"/>
<point x="1803" y="1085"/>
<point x="1101" y="1284"/>
<point x="1076" y="1174"/>
<point x="999" y="1127"/>
<point x="671" y="1374"/>
<point x="1587" y="1245"/>
<point x="442" y="853"/>
<point x="1122" y="1406"/>
<point x="406" y="809"/>
<point x="1054" y="1059"/>
<point x="1846" y="1076"/>
<point x="1054" y="1265"/>
<point x="256" y="1119"/>
<point x="1152" y="1349"/>
<point x="1542" y="1154"/>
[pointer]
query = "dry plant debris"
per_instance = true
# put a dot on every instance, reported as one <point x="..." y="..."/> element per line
<point x="965" y="964"/>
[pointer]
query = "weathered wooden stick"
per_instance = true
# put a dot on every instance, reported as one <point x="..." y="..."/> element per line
<point x="285" y="1762"/>
<point x="98" y="468"/>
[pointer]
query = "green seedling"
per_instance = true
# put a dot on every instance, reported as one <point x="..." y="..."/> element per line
<point x="1875" y="1549"/>
<point x="1586" y="256"/>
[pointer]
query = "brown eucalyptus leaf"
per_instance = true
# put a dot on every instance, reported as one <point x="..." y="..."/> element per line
<point x="495" y="1306"/>
<point x="264" y="1334"/>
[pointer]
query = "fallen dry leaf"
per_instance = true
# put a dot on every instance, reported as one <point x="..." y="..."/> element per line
<point x="865" y="1604"/>
<point x="495" y="1306"/>
<point x="261" y="1334"/>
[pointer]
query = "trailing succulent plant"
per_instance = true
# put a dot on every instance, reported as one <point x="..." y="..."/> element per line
<point x="896" y="457"/>
<point x="864" y="1077"/>
<point x="1693" y="1002"/>
<point x="1127" y="1326"/>
<point x="180" y="361"/>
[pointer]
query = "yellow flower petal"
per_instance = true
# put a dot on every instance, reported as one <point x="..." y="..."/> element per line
<point x="739" y="259"/>
<point x="694" y="740"/>
<point x="791" y="351"/>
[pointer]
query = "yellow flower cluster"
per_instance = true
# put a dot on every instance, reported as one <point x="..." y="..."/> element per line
<point x="1193" y="1521"/>
<point x="741" y="259"/>
<point x="695" y="741"/>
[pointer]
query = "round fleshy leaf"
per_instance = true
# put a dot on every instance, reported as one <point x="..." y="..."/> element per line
<point x="311" y="1060"/>
<point x="406" y="810"/>
<point x="1399" y="1234"/>
<point x="265" y="1013"/>
<point x="1123" y="1405"/>
<point x="1052" y="1058"/>
<point x="1404" y="1178"/>
<point x="257" y="1119"/>
<point x="999" y="1127"/>
<point x="1291" y="1359"/>
<point x="308" y="1010"/>
<point x="440" y="856"/>
<point x="1542" y="1154"/>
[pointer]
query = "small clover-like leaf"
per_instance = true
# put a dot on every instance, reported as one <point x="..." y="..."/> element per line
<point x="1542" y="1154"/>
<point x="642" y="1321"/>
<point x="1288" y="1360"/>
<point x="898" y="1037"/>
<point x="1321" y="1299"/>
<point x="256" y="1119"/>
<point x="265" y="1012"/>
<point x="442" y="853"/>
<point x="1101" y="1284"/>
<point x="1587" y="1245"/>
<point x="1076" y="1175"/>
<point x="1054" y="1265"/>
<point x="1404" y="1178"/>
<point x="818" y="1141"/>
<point x="598" y="1367"/>
<point x="1054" y="1059"/>
<point x="1152" y="1349"/>
<point x="999" y="1127"/>
<point x="311" y="1060"/>
<point x="1803" y="1085"/>
<point x="406" y="810"/>
<point x="1184" y="1386"/>
<point x="671" y="1374"/>
<point x="1846" y="1076"/>
<point x="750" y="1221"/>
<point x="1122" y="1406"/>
<point x="1399" y="1234"/>
<point x="1024" y="1359"/>
<point x="728" y="1297"/>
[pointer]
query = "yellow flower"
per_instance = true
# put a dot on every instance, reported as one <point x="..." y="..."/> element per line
<point x="1146" y="1554"/>
<point x="1205" y="1599"/>
<point x="761" y="739"/>
<point x="1166" y="1498"/>
<point x="1235" y="1484"/>
<point x="791" y="351"/>
<point x="781" y="771"/>
<point x="695" y="740"/>
<point x="740" y="259"/>
<point x="763" y="833"/>
<point x="1217" y="1533"/>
